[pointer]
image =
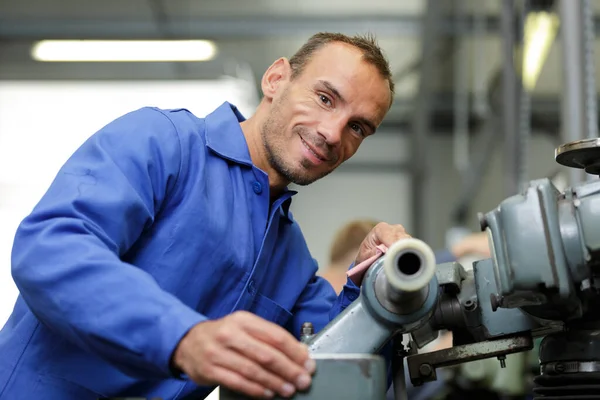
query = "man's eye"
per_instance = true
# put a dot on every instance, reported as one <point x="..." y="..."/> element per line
<point x="325" y="100"/>
<point x="358" y="129"/>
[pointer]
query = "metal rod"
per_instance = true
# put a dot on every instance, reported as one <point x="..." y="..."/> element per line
<point x="573" y="98"/>
<point x="421" y="123"/>
<point x="510" y="99"/>
<point x="461" y="99"/>
<point x="524" y="120"/>
<point x="589" y="73"/>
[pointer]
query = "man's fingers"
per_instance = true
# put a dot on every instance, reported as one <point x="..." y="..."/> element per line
<point x="276" y="336"/>
<point x="389" y="234"/>
<point x="239" y="383"/>
<point x="274" y="361"/>
<point x="252" y="371"/>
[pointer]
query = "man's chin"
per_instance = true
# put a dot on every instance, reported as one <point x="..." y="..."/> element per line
<point x="304" y="179"/>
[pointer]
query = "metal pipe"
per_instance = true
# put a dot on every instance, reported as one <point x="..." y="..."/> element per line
<point x="573" y="98"/>
<point x="385" y="306"/>
<point x="422" y="119"/>
<point x="589" y="73"/>
<point x="461" y="99"/>
<point x="510" y="99"/>
<point x="524" y="120"/>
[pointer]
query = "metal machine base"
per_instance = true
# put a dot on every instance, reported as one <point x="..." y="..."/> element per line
<point x="340" y="376"/>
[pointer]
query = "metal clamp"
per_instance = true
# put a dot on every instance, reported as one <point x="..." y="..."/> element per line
<point x="422" y="367"/>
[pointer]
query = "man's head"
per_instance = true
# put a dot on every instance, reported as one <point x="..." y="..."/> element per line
<point x="322" y="103"/>
<point x="347" y="241"/>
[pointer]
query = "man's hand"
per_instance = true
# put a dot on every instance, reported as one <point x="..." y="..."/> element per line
<point x="245" y="353"/>
<point x="383" y="233"/>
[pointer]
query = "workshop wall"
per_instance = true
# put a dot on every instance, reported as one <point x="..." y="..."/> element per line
<point x="378" y="186"/>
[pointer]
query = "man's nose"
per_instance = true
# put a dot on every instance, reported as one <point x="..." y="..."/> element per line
<point x="332" y="131"/>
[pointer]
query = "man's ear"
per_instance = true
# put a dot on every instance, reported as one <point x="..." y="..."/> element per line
<point x="275" y="76"/>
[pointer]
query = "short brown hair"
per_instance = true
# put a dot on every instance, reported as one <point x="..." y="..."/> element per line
<point x="349" y="238"/>
<point x="372" y="53"/>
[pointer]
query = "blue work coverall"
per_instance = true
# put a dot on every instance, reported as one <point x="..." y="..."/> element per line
<point x="157" y="222"/>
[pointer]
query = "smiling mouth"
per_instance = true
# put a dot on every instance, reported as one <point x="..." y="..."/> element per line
<point x="321" y="158"/>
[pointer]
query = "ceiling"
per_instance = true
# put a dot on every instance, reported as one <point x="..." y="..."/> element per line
<point x="250" y="34"/>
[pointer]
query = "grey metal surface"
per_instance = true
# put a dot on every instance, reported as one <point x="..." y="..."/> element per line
<point x="365" y="325"/>
<point x="587" y="207"/>
<point x="339" y="376"/>
<point x="527" y="246"/>
<point x="356" y="330"/>
<point x="451" y="273"/>
<point x="422" y="367"/>
<point x="502" y="321"/>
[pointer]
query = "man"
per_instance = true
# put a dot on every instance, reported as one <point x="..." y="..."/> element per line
<point x="348" y="238"/>
<point x="163" y="259"/>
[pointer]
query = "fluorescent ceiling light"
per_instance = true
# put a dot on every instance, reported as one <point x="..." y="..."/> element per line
<point x="540" y="31"/>
<point x="123" y="50"/>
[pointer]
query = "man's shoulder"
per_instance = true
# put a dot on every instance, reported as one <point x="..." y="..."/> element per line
<point x="177" y="116"/>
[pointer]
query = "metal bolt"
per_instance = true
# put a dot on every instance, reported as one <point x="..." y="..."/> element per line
<point x="308" y="328"/>
<point x="495" y="301"/>
<point x="559" y="368"/>
<point x="470" y="305"/>
<point x="482" y="221"/>
<point x="502" y="360"/>
<point x="306" y="331"/>
<point x="586" y="284"/>
<point x="425" y="370"/>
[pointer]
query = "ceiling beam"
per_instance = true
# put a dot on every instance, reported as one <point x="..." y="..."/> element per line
<point x="229" y="27"/>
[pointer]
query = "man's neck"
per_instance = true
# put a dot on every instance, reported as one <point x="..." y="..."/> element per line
<point x="251" y="129"/>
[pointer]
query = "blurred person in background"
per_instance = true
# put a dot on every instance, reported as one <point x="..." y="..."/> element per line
<point x="163" y="259"/>
<point x="349" y="237"/>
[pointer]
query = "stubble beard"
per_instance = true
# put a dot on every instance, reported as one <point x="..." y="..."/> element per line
<point x="274" y="143"/>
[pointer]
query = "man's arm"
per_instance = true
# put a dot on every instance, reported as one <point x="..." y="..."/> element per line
<point x="66" y="254"/>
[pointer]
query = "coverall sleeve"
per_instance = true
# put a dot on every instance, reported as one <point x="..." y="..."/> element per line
<point x="318" y="304"/>
<point x="66" y="257"/>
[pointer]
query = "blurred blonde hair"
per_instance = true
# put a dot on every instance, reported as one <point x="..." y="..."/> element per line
<point x="348" y="239"/>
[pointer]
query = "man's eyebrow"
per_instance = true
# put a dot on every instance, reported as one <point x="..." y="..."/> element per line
<point x="333" y="90"/>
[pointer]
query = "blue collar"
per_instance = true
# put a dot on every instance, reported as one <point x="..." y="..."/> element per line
<point x="224" y="136"/>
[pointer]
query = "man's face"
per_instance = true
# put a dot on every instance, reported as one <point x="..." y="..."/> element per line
<point x="319" y="119"/>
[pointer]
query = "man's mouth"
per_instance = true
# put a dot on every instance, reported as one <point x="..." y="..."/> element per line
<point x="313" y="151"/>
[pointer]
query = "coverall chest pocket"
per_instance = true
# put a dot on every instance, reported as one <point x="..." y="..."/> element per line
<point x="268" y="309"/>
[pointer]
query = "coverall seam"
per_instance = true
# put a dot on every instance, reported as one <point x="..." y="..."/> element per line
<point x="175" y="185"/>
<point x="37" y="325"/>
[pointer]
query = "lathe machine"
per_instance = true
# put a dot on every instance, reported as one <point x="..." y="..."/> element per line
<point x="541" y="282"/>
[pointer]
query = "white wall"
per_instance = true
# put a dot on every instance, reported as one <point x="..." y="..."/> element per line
<point x="42" y="123"/>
